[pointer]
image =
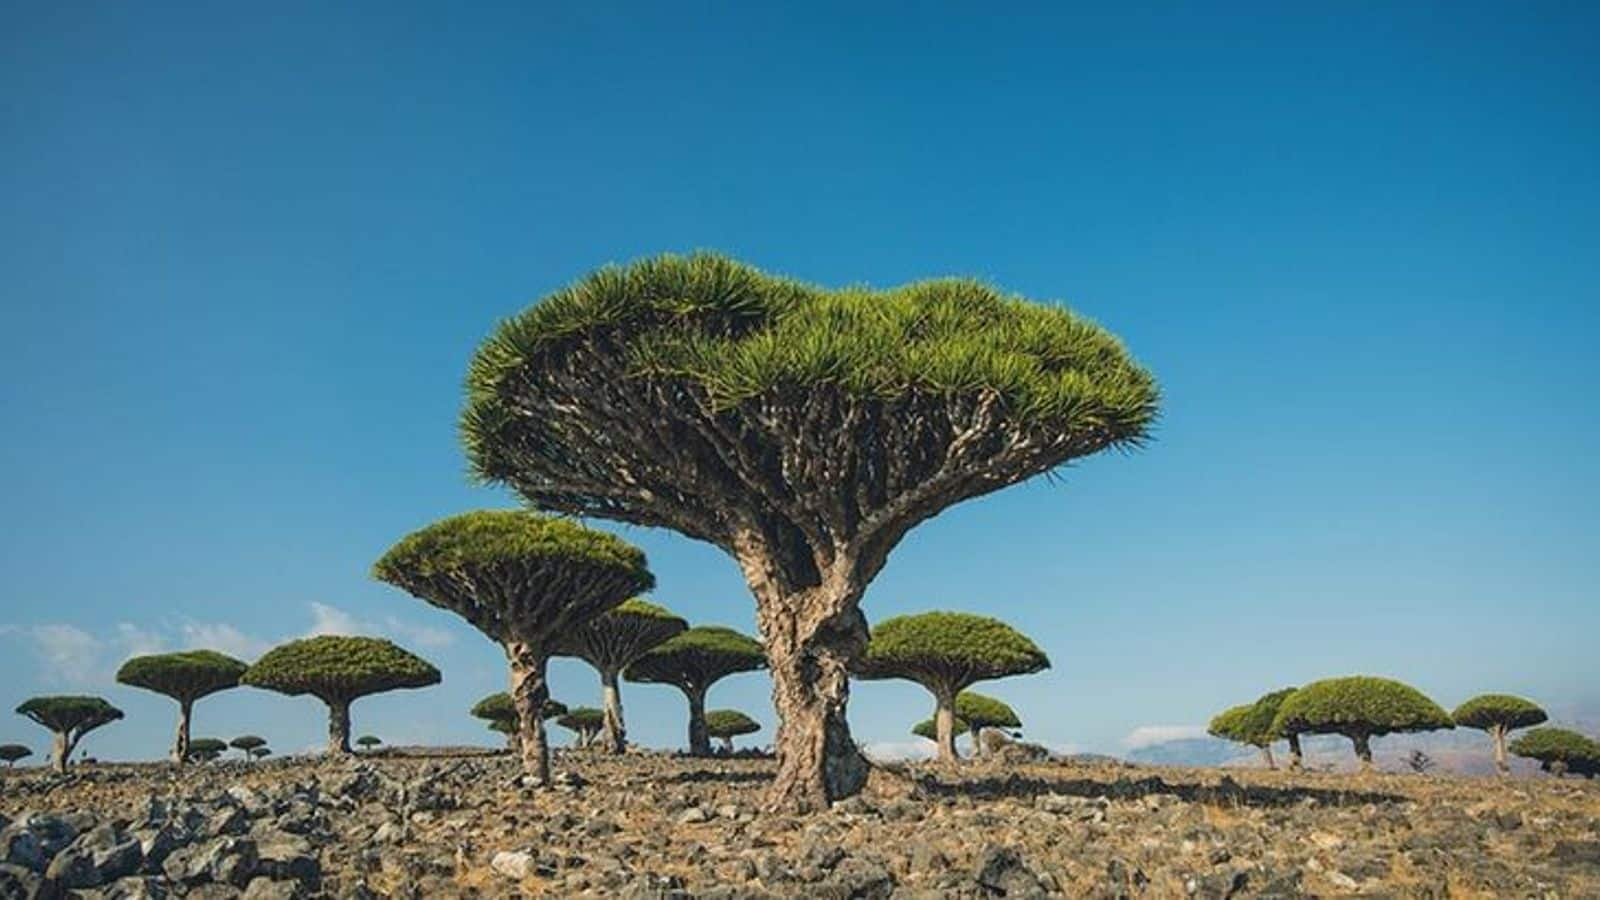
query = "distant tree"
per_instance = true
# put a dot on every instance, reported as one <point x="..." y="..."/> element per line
<point x="929" y="728"/>
<point x="584" y="721"/>
<point x="69" y="718"/>
<point x="260" y="753"/>
<point x="1560" y="751"/>
<point x="1361" y="708"/>
<point x="206" y="749"/>
<point x="500" y="713"/>
<point x="1419" y="761"/>
<point x="980" y="711"/>
<point x="727" y="724"/>
<point x="611" y="642"/>
<point x="368" y="741"/>
<point x="11" y="753"/>
<point x="1498" y="714"/>
<point x="523" y="580"/>
<point x="1253" y="724"/>
<point x="802" y="430"/>
<point x="338" y="671"/>
<point x="692" y="662"/>
<point x="947" y="652"/>
<point x="245" y="743"/>
<point x="185" y="677"/>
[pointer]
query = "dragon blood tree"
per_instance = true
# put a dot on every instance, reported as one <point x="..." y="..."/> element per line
<point x="1252" y="724"/>
<point x="185" y="677"/>
<point x="610" y="642"/>
<point x="975" y="712"/>
<point x="11" y="753"/>
<point x="929" y="728"/>
<point x="206" y="749"/>
<point x="1498" y="714"/>
<point x="500" y="712"/>
<point x="1361" y="708"/>
<point x="1560" y="751"/>
<point x="583" y="721"/>
<point x="523" y="580"/>
<point x="947" y="652"/>
<point x="247" y="744"/>
<point x="804" y="431"/>
<point x="692" y="662"/>
<point x="339" y="670"/>
<point x="69" y="718"/>
<point x="727" y="724"/>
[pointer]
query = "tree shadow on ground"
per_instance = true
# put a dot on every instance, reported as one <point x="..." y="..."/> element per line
<point x="702" y="776"/>
<point x="1226" y="792"/>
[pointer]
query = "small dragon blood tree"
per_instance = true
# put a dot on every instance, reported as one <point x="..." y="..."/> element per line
<point x="12" y="753"/>
<point x="247" y="744"/>
<point x="1252" y="724"/>
<point x="946" y="653"/>
<point x="499" y="711"/>
<point x="692" y="662"/>
<point x="524" y="580"/>
<point x="610" y="642"/>
<point x="69" y="718"/>
<point x="1359" y="707"/>
<point x="805" y="431"/>
<point x="339" y="670"/>
<point x="1498" y="714"/>
<point x="185" y="677"/>
<point x="727" y="724"/>
<point x="583" y="721"/>
<point x="1560" y="751"/>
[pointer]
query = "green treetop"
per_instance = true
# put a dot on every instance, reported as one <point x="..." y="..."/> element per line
<point x="206" y="749"/>
<point x="523" y="579"/>
<point x="803" y="430"/>
<point x="185" y="677"/>
<point x="692" y="662"/>
<point x="1359" y="707"/>
<point x="946" y="652"/>
<point x="500" y="713"/>
<point x="11" y="753"/>
<point x="368" y="741"/>
<point x="69" y="718"/>
<point x="246" y="743"/>
<point x="584" y="721"/>
<point x="610" y="642"/>
<point x="1498" y="714"/>
<point x="260" y="752"/>
<point x="727" y="724"/>
<point x="928" y="728"/>
<point x="980" y="711"/>
<point x="338" y="670"/>
<point x="1253" y="724"/>
<point x="1559" y="751"/>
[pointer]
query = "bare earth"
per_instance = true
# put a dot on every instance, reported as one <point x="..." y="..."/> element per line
<point x="659" y="826"/>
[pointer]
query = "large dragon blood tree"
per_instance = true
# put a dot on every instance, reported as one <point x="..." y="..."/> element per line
<point x="185" y="677"/>
<point x="692" y="662"/>
<point x="524" y="580"/>
<point x="339" y="670"/>
<point x="804" y="431"/>
<point x="610" y="642"/>
<point x="69" y="718"/>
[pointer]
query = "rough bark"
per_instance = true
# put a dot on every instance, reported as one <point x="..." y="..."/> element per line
<point x="338" y="726"/>
<point x="60" y="750"/>
<point x="1266" y="757"/>
<point x="699" y="741"/>
<point x="944" y="726"/>
<point x="1363" y="750"/>
<point x="614" y="735"/>
<point x="180" y="744"/>
<point x="1296" y="758"/>
<point x="727" y="745"/>
<point x="1498" y="733"/>
<point x="529" y="692"/>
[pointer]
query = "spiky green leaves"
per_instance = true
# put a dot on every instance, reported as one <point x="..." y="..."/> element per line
<point x="1358" y="705"/>
<point x="982" y="711"/>
<point x="515" y="574"/>
<point x="698" y="658"/>
<point x="948" y="651"/>
<point x="499" y="709"/>
<point x="1502" y="711"/>
<point x="1559" y="749"/>
<point x="1251" y="723"/>
<point x="338" y="669"/>
<point x="617" y="637"/>
<point x="729" y="723"/>
<point x="73" y="715"/>
<point x="185" y="676"/>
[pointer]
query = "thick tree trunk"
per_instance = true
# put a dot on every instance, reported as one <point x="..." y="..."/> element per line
<point x="614" y="734"/>
<point x="944" y="726"/>
<point x="180" y="745"/>
<point x="338" y="727"/>
<point x="727" y="745"/>
<point x="1363" y="751"/>
<point x="699" y="741"/>
<point x="1498" y="732"/>
<point x="529" y="692"/>
<point x="811" y="640"/>
<point x="1266" y="757"/>
<point x="1296" y="758"/>
<point x="60" y="750"/>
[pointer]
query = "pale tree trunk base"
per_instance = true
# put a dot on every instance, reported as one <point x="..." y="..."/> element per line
<point x="818" y="761"/>
<point x="613" y="734"/>
<point x="529" y="693"/>
<point x="1266" y="757"/>
<point x="1500" y="764"/>
<point x="727" y="746"/>
<point x="699" y="741"/>
<point x="60" y="751"/>
<point x="944" y="722"/>
<point x="338" y="727"/>
<point x="180" y="744"/>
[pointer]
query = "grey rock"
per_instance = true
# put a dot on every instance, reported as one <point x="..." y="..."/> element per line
<point x="137" y="887"/>
<point x="19" y="882"/>
<point x="225" y="821"/>
<point x="98" y="856"/>
<point x="53" y="833"/>
<point x="288" y="857"/>
<point x="516" y="864"/>
<point x="858" y="877"/>
<point x="157" y="843"/>
<point x="263" y="888"/>
<point x="228" y="860"/>
<point x="1001" y="872"/>
<point x="694" y="815"/>
<point x="19" y="847"/>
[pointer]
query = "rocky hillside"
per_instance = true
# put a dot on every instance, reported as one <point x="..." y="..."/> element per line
<point x="659" y="826"/>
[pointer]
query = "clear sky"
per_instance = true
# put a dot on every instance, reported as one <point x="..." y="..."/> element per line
<point x="248" y="251"/>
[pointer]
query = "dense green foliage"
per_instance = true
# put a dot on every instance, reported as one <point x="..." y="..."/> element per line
<point x="582" y="719"/>
<point x="1358" y="705"/>
<point x="948" y="650"/>
<point x="73" y="714"/>
<point x="1559" y="748"/>
<point x="982" y="711"/>
<point x="618" y="636"/>
<point x="369" y="741"/>
<point x="1251" y="723"/>
<point x="335" y="668"/>
<point x="728" y="723"/>
<point x="698" y="658"/>
<point x="206" y="749"/>
<point x="499" y="707"/>
<point x="1498" y="711"/>
<point x="10" y="753"/>
<point x="929" y="728"/>
<point x="247" y="742"/>
<point x="735" y="333"/>
<point x="184" y="676"/>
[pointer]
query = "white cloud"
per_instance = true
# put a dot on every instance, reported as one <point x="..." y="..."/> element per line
<point x="1150" y="735"/>
<point x="326" y="619"/>
<point x="66" y="653"/>
<point x="137" y="641"/>
<point x="889" y="751"/>
<point x="223" y="638"/>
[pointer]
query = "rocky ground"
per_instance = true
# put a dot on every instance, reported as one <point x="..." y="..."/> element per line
<point x="660" y="826"/>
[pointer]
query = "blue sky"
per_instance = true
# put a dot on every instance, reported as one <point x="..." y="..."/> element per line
<point x="248" y="253"/>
